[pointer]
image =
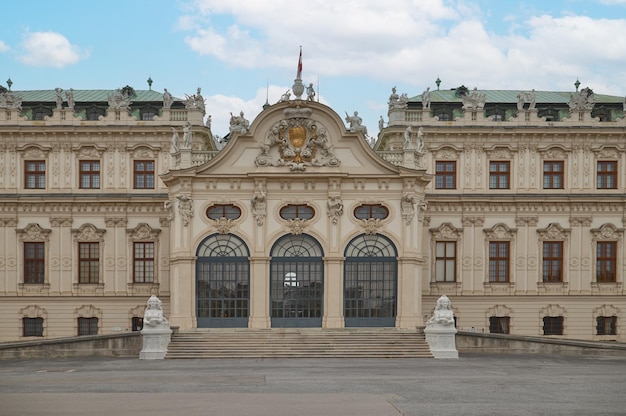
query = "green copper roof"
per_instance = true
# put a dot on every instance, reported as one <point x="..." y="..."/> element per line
<point x="510" y="96"/>
<point x="87" y="95"/>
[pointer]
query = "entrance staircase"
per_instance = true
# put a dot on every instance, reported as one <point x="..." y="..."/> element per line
<point x="299" y="343"/>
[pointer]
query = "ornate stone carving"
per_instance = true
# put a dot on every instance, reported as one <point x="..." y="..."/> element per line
<point x="335" y="208"/>
<point x="297" y="225"/>
<point x="258" y="204"/>
<point x="88" y="232"/>
<point x="89" y="152"/>
<point x="371" y="225"/>
<point x="223" y="225"/>
<point x="142" y="152"/>
<point x="33" y="232"/>
<point x="446" y="231"/>
<point x="553" y="231"/>
<point x="500" y="232"/>
<point x="407" y="204"/>
<point x="607" y="232"/>
<point x="143" y="232"/>
<point x="185" y="208"/>
<point x="300" y="142"/>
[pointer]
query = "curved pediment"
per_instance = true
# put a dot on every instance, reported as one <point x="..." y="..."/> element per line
<point x="296" y="137"/>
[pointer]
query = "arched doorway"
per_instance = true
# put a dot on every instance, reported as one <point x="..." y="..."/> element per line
<point x="222" y="282"/>
<point x="296" y="282"/>
<point x="370" y="282"/>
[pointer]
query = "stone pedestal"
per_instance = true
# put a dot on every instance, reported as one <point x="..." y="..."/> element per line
<point x="441" y="340"/>
<point x="155" y="342"/>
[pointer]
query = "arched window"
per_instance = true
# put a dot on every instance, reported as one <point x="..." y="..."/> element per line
<point x="370" y="281"/>
<point x="222" y="282"/>
<point x="297" y="282"/>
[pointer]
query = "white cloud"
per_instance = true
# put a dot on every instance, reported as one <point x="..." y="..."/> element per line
<point x="49" y="49"/>
<point x="4" y="47"/>
<point x="410" y="40"/>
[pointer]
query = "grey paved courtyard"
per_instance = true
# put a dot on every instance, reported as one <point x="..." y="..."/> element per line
<point x="472" y="385"/>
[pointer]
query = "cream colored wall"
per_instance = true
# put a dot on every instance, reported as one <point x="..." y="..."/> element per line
<point x="62" y="215"/>
<point x="527" y="215"/>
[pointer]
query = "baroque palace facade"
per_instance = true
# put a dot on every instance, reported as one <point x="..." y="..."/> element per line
<point x="509" y="202"/>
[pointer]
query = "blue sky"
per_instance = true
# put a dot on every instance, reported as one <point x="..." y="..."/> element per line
<point x="240" y="51"/>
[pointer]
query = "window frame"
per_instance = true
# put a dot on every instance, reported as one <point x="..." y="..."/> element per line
<point x="601" y="275"/>
<point x="444" y="260"/>
<point x="605" y="177"/>
<point x="371" y="211"/>
<point x="498" y="175"/>
<point x="219" y="211"/>
<point x="307" y="212"/>
<point x="32" y="327"/>
<point x="34" y="263"/>
<point x="552" y="175"/>
<point x="89" y="266"/>
<point x="496" y="261"/>
<point x="553" y="325"/>
<point x="87" y="326"/>
<point x="35" y="174"/>
<point x="602" y="322"/>
<point x="499" y="325"/>
<point x="92" y="176"/>
<point x="549" y="260"/>
<point x="144" y="176"/>
<point x="446" y="177"/>
<point x="147" y="274"/>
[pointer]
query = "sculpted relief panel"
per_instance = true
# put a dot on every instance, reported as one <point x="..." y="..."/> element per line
<point x="297" y="141"/>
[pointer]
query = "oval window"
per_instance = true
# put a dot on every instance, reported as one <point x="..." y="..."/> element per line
<point x="371" y="211"/>
<point x="219" y="211"/>
<point x="292" y="212"/>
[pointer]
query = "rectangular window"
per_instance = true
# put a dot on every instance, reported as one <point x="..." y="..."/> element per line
<point x="499" y="261"/>
<point x="87" y="326"/>
<point x="143" y="263"/>
<point x="88" y="262"/>
<point x="606" y="261"/>
<point x="144" y="174"/>
<point x="35" y="174"/>
<point x="552" y="325"/>
<point x="34" y="263"/>
<point x="445" y="261"/>
<point x="606" y="325"/>
<point x="89" y="174"/>
<point x="32" y="327"/>
<point x="499" y="175"/>
<point x="552" y="261"/>
<point x="499" y="324"/>
<point x="553" y="174"/>
<point x="445" y="175"/>
<point x="607" y="175"/>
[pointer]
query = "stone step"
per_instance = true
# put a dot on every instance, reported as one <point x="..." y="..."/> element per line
<point x="298" y="343"/>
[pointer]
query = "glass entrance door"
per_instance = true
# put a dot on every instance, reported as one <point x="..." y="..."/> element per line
<point x="297" y="282"/>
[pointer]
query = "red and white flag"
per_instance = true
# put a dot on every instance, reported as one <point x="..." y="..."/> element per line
<point x="299" y="74"/>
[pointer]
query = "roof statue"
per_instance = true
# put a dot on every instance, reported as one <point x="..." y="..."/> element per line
<point x="582" y="100"/>
<point x="474" y="100"/>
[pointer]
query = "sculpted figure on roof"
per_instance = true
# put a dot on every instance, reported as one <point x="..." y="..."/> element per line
<point x="582" y="100"/>
<point x="118" y="101"/>
<point x="426" y="97"/>
<point x="355" y="123"/>
<point x="474" y="100"/>
<point x="168" y="100"/>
